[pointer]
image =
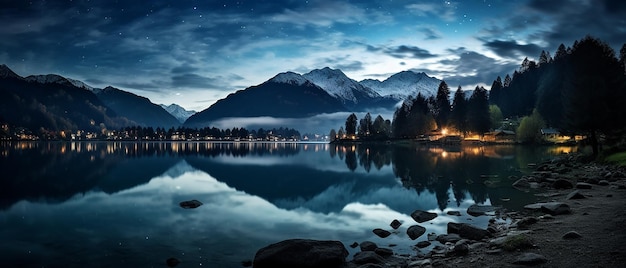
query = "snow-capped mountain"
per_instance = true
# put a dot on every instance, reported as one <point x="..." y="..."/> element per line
<point x="178" y="112"/>
<point x="289" y="78"/>
<point x="337" y="84"/>
<point x="399" y="86"/>
<point x="57" y="79"/>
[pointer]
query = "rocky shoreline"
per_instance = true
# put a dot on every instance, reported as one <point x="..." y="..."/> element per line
<point x="580" y="223"/>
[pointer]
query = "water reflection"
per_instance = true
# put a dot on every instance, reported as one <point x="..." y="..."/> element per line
<point x="116" y="204"/>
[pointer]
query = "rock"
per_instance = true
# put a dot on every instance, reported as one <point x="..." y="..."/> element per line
<point x="415" y="231"/>
<point x="515" y="242"/>
<point x="468" y="231"/>
<point x="354" y="245"/>
<point x="362" y="257"/>
<point x="395" y="224"/>
<point x="603" y="182"/>
<point x="556" y="208"/>
<point x="530" y="258"/>
<point x="368" y="246"/>
<point x="572" y="235"/>
<point x="522" y="183"/>
<point x="371" y="265"/>
<point x="525" y="222"/>
<point x="381" y="233"/>
<point x="422" y="244"/>
<point x="420" y="263"/>
<point x="445" y="238"/>
<point x="172" y="262"/>
<point x="472" y="232"/>
<point x="454" y="213"/>
<point x="423" y="216"/>
<point x="190" y="204"/>
<point x="583" y="185"/>
<point x="385" y="252"/>
<point x="302" y="253"/>
<point x="575" y="195"/>
<point x="562" y="184"/>
<point x="460" y="249"/>
<point x="478" y="210"/>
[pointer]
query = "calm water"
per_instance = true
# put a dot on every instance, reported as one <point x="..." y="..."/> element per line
<point x="102" y="204"/>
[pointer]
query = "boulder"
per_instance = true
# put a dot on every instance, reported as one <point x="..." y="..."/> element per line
<point x="423" y="216"/>
<point x="302" y="253"/>
<point x="556" y="208"/>
<point x="530" y="258"/>
<point x="422" y="244"/>
<point x="583" y="185"/>
<point x="479" y="210"/>
<point x="562" y="184"/>
<point x="385" y="252"/>
<point x="445" y="238"/>
<point x="454" y="213"/>
<point x="190" y="204"/>
<point x="522" y="183"/>
<point x="381" y="233"/>
<point x="468" y="231"/>
<point x="395" y="224"/>
<point x="362" y="257"/>
<point x="415" y="231"/>
<point x="368" y="246"/>
<point x="572" y="235"/>
<point x="552" y="208"/>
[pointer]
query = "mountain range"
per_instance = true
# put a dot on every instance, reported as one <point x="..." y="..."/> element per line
<point x="55" y="102"/>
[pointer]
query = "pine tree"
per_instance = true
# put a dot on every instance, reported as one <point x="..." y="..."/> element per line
<point x="507" y="81"/>
<point x="478" y="118"/>
<point x="459" y="111"/>
<point x="594" y="94"/>
<point x="496" y="91"/>
<point x="561" y="52"/>
<point x="442" y="105"/>
<point x="351" y="123"/>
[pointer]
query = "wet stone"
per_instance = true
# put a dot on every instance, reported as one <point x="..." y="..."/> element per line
<point x="395" y="224"/>
<point x="381" y="233"/>
<point x="190" y="204"/>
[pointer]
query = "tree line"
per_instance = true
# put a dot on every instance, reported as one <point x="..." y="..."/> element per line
<point x="579" y="91"/>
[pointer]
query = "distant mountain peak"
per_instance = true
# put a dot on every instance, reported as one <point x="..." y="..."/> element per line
<point x="57" y="79"/>
<point x="177" y="111"/>
<point x="6" y="72"/>
<point x="289" y="78"/>
<point x="337" y="84"/>
<point x="403" y="84"/>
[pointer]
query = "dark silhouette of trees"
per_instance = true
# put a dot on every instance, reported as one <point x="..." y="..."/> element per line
<point x="458" y="116"/>
<point x="478" y="118"/>
<point x="365" y="126"/>
<point x="594" y="93"/>
<point x="442" y="109"/>
<point x="351" y="123"/>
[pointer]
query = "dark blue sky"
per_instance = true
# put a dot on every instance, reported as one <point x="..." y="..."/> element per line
<point x="195" y="52"/>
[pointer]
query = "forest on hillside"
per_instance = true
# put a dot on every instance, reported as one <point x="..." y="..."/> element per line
<point x="579" y="91"/>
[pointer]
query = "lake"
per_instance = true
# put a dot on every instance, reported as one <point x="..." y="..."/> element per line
<point x="116" y="204"/>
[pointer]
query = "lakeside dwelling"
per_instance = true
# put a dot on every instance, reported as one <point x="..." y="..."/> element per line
<point x="500" y="136"/>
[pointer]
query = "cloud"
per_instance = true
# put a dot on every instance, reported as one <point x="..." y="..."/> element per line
<point x="512" y="49"/>
<point x="444" y="10"/>
<point x="430" y="33"/>
<point x="470" y="68"/>
<point x="402" y="51"/>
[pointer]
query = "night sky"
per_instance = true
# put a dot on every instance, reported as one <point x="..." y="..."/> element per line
<point x="195" y="52"/>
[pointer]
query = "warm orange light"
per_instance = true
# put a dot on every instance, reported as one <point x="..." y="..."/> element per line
<point x="444" y="131"/>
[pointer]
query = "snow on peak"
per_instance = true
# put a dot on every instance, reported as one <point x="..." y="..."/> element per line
<point x="404" y="84"/>
<point x="337" y="84"/>
<point x="289" y="78"/>
<point x="57" y="79"/>
<point x="178" y="112"/>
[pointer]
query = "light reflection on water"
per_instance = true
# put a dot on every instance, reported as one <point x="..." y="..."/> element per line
<point x="116" y="204"/>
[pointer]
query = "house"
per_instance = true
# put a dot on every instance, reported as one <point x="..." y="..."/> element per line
<point x="553" y="135"/>
<point x="500" y="136"/>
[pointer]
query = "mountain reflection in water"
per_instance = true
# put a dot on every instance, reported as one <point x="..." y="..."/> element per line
<point x="116" y="203"/>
